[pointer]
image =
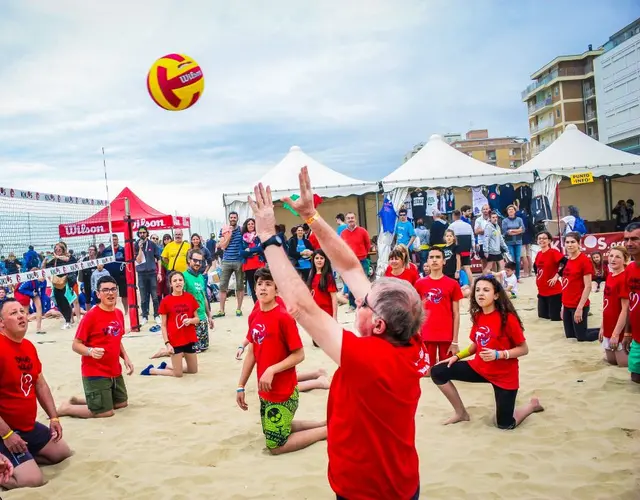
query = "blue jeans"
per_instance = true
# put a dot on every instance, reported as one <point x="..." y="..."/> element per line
<point x="515" y="252"/>
<point x="365" y="263"/>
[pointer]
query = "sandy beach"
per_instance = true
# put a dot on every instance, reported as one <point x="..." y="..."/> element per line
<point x="187" y="439"/>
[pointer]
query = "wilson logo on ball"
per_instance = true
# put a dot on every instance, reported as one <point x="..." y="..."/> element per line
<point x="175" y="82"/>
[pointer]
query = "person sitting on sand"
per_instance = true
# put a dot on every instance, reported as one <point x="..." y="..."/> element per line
<point x="25" y="441"/>
<point x="615" y="308"/>
<point x="374" y="395"/>
<point x="276" y="348"/>
<point x="497" y="340"/>
<point x="99" y="342"/>
<point x="631" y="340"/>
<point x="508" y="279"/>
<point x="179" y="313"/>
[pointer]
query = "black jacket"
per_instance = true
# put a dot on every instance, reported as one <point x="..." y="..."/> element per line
<point x="293" y="248"/>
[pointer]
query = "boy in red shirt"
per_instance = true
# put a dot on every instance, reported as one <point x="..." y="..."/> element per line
<point x="99" y="342"/>
<point x="276" y="349"/>
<point x="441" y="297"/>
<point x="631" y="340"/>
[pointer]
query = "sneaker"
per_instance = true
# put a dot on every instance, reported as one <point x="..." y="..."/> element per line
<point x="158" y="320"/>
<point x="219" y="314"/>
<point x="143" y="321"/>
<point x="66" y="326"/>
<point x="238" y="312"/>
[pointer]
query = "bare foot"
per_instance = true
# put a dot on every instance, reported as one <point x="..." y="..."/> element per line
<point x="75" y="400"/>
<point x="537" y="407"/>
<point x="63" y="409"/>
<point x="324" y="381"/>
<point x="458" y="418"/>
<point x="323" y="372"/>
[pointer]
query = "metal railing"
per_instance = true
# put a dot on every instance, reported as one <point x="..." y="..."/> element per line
<point x="589" y="92"/>
<point x="557" y="73"/>
<point x="540" y="104"/>
<point x="591" y="115"/>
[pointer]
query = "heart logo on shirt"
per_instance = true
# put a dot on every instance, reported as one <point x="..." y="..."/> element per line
<point x="483" y="336"/>
<point x="605" y="303"/>
<point x="181" y="320"/>
<point x="26" y="384"/>
<point x="539" y="274"/>
<point x="564" y="282"/>
<point x="634" y="298"/>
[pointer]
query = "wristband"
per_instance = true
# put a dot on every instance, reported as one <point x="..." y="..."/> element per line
<point x="463" y="354"/>
<point x="54" y="419"/>
<point x="89" y="351"/>
<point x="167" y="342"/>
<point x="240" y="389"/>
<point x="7" y="435"/>
<point x="497" y="354"/>
<point x="241" y="347"/>
<point x="313" y="218"/>
<point x="628" y="335"/>
<point x="507" y="354"/>
<point x="454" y="343"/>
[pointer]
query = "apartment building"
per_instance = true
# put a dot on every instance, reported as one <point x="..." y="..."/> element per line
<point x="617" y="77"/>
<point x="562" y="92"/>
<point x="505" y="152"/>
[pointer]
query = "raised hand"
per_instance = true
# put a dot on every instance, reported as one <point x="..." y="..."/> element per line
<point x="303" y="205"/>
<point x="263" y="212"/>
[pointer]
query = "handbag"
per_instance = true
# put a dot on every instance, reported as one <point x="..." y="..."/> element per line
<point x="59" y="282"/>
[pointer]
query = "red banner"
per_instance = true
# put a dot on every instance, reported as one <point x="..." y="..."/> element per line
<point x="119" y="226"/>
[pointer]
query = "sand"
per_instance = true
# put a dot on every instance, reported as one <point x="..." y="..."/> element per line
<point x="187" y="439"/>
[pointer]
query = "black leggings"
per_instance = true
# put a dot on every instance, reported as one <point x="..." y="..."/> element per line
<point x="573" y="330"/>
<point x="250" y="276"/>
<point x="549" y="307"/>
<point x="62" y="303"/>
<point x="505" y="398"/>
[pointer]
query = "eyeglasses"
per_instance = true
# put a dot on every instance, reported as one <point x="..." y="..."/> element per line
<point x="196" y="261"/>
<point x="365" y="303"/>
<point x="108" y="290"/>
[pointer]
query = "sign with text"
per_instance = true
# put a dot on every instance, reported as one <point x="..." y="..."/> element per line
<point x="584" y="178"/>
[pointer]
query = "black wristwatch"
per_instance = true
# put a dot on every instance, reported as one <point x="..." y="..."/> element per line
<point x="274" y="240"/>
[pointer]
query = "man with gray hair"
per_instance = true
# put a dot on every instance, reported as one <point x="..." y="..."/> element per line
<point x="379" y="371"/>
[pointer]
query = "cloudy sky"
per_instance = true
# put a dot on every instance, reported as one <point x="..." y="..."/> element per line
<point x="354" y="83"/>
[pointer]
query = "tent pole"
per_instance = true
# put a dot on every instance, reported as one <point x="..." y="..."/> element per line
<point x="130" y="272"/>
<point x="558" y="215"/>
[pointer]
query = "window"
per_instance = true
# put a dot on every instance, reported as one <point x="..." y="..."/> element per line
<point x="513" y="164"/>
<point x="556" y="90"/>
<point x="558" y="113"/>
<point x="512" y="152"/>
<point x="491" y="155"/>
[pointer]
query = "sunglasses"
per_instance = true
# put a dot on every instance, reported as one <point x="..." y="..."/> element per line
<point x="196" y="261"/>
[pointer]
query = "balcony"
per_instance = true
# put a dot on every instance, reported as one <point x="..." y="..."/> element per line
<point x="540" y="105"/>
<point x="588" y="93"/>
<point x="541" y="127"/>
<point x="539" y="149"/>
<point x="557" y="73"/>
<point x="591" y="115"/>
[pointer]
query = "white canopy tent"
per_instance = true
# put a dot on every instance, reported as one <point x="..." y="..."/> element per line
<point x="283" y="179"/>
<point x="575" y="152"/>
<point x="439" y="165"/>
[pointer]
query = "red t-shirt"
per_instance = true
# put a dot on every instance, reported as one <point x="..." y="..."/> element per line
<point x="633" y="285"/>
<point x="409" y="274"/>
<point x="371" y="416"/>
<point x="615" y="288"/>
<point x="323" y="299"/>
<point x="437" y="298"/>
<point x="256" y="306"/>
<point x="20" y="368"/>
<point x="253" y="262"/>
<point x="358" y="240"/>
<point x="178" y="309"/>
<point x="313" y="239"/>
<point x="274" y="335"/>
<point x="573" y="280"/>
<point x="487" y="333"/>
<point x="100" y="328"/>
<point x="547" y="266"/>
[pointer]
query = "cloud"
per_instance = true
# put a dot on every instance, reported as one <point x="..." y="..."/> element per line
<point x="355" y="84"/>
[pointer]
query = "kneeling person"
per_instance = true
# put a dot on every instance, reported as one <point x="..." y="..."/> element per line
<point x="276" y="348"/>
<point x="99" y="342"/>
<point x="22" y="387"/>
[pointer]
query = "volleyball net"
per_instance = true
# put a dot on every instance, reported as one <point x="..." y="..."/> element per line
<point x="32" y="218"/>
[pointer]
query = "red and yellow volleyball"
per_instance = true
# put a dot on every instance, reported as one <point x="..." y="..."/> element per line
<point x="175" y="82"/>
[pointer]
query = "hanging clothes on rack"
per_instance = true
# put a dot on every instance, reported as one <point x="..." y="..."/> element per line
<point x="450" y="201"/>
<point x="494" y="197"/>
<point x="507" y="197"/>
<point x="442" y="201"/>
<point x="419" y="204"/>
<point x="478" y="200"/>
<point x="524" y="194"/>
<point x="432" y="201"/>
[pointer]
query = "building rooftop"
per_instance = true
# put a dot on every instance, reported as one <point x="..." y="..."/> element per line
<point x="560" y="59"/>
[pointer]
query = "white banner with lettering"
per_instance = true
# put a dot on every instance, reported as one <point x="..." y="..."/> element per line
<point x="16" y="279"/>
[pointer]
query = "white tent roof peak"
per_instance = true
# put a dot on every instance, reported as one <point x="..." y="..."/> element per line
<point x="326" y="182"/>
<point x="576" y="152"/>
<point x="439" y="165"/>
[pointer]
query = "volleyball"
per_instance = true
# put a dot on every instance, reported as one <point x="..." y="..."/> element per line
<point x="175" y="82"/>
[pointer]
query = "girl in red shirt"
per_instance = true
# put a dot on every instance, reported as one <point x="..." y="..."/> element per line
<point x="615" y="308"/>
<point x="322" y="285"/>
<point x="547" y="266"/>
<point x="179" y="317"/>
<point x="399" y="268"/>
<point x="252" y="255"/>
<point x="576" y="287"/>
<point x="497" y="340"/>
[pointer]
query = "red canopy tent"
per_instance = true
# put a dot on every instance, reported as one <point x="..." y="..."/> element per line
<point x="128" y="213"/>
<point x="141" y="215"/>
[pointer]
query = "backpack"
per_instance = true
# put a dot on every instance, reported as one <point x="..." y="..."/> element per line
<point x="579" y="226"/>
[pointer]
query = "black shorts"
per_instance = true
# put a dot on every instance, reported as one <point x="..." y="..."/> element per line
<point x="465" y="260"/>
<point x="36" y="439"/>
<point x="122" y="286"/>
<point x="185" y="349"/>
<point x="481" y="253"/>
<point x="495" y="257"/>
